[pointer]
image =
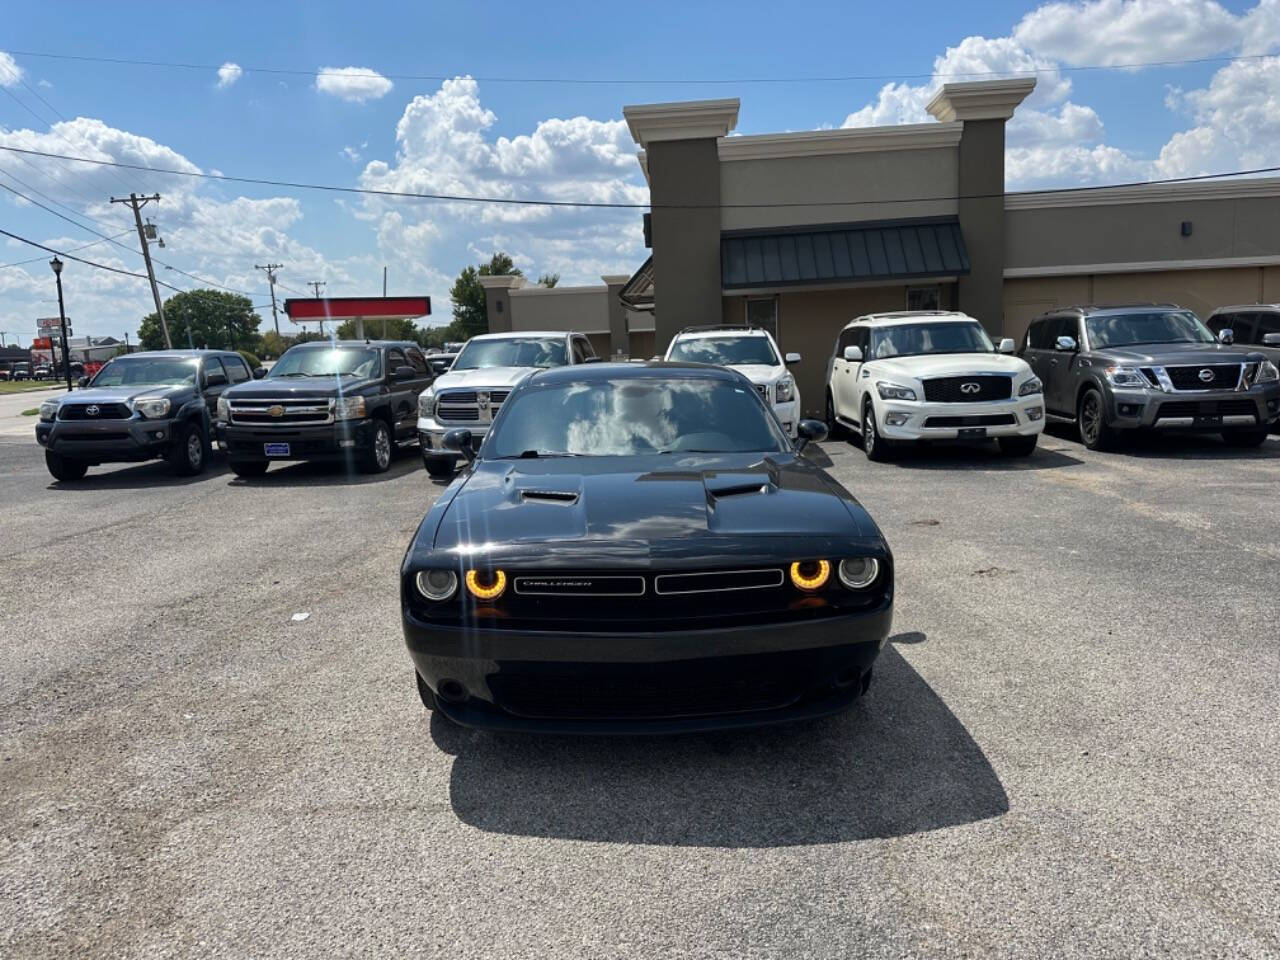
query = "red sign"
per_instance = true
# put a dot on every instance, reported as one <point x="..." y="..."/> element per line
<point x="42" y="343"/>
<point x="346" y="308"/>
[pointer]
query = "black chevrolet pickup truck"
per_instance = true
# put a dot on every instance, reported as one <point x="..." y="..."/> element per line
<point x="352" y="400"/>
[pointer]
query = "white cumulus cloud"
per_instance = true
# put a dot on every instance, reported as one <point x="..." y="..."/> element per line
<point x="1237" y="122"/>
<point x="354" y="84"/>
<point x="10" y="73"/>
<point x="228" y="74"/>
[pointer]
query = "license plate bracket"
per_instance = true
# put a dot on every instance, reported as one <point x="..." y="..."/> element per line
<point x="971" y="433"/>
<point x="1208" y="420"/>
<point x="275" y="449"/>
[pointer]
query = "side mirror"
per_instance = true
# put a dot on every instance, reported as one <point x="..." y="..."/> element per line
<point x="1066" y="344"/>
<point x="1226" y="335"/>
<point x="810" y="431"/>
<point x="853" y="354"/>
<point x="1007" y="345"/>
<point x="460" y="442"/>
<point x="591" y="360"/>
<point x="1271" y="339"/>
<point x="83" y="382"/>
<point x="792" y="358"/>
<point x="259" y="372"/>
<point x="215" y="380"/>
<point x="405" y="372"/>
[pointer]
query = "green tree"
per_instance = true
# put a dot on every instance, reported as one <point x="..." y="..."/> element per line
<point x="218" y="321"/>
<point x="469" y="314"/>
<point x="274" y="344"/>
<point x="401" y="329"/>
<point x="549" y="279"/>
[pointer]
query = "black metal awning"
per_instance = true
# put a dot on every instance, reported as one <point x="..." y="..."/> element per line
<point x="837" y="254"/>
<point x="638" y="293"/>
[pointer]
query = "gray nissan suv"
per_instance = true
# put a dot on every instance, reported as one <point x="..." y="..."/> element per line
<point x="1149" y="366"/>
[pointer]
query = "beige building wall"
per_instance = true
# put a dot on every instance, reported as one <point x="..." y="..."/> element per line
<point x="584" y="309"/>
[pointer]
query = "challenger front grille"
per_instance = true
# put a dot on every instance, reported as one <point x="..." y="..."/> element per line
<point x="1223" y="376"/>
<point x="974" y="389"/>
<point x="627" y="697"/>
<point x="284" y="412"/>
<point x="719" y="581"/>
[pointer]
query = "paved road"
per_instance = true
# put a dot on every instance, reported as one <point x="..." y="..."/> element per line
<point x="1070" y="748"/>
<point x="12" y="423"/>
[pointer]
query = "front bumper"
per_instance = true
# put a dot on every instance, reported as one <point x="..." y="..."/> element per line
<point x="106" y="441"/>
<point x="1194" y="410"/>
<point x="1019" y="417"/>
<point x="614" y="682"/>
<point x="328" y="441"/>
<point x="788" y="415"/>
<point x="431" y="435"/>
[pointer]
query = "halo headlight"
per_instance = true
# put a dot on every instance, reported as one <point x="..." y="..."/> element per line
<point x="810" y="575"/>
<point x="486" y="584"/>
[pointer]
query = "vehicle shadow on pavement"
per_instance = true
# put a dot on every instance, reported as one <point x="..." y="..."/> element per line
<point x="150" y="473"/>
<point x="898" y="763"/>
<point x="955" y="455"/>
<point x="1187" y="446"/>
<point x="329" y="474"/>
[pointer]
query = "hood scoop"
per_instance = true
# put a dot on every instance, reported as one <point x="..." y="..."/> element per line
<point x="565" y="497"/>
<point x="722" y="486"/>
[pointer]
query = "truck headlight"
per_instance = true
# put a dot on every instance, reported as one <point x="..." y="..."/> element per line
<point x="224" y="410"/>
<point x="1126" y="377"/>
<point x="427" y="403"/>
<point x="1267" y="373"/>
<point x="152" y="408"/>
<point x="348" y="408"/>
<point x="894" y="391"/>
<point x="784" y="391"/>
<point x="49" y="410"/>
<point x="1031" y="386"/>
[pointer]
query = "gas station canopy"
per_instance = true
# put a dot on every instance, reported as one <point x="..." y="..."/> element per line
<point x="359" y="309"/>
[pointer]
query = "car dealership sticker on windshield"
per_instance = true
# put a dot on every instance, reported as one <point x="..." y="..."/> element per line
<point x="299" y="617"/>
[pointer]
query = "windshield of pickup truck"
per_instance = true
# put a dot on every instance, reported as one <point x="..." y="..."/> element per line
<point x="359" y="362"/>
<point x="1130" y="329"/>
<point x="725" y="351"/>
<point x="140" y="371"/>
<point x="512" y="352"/>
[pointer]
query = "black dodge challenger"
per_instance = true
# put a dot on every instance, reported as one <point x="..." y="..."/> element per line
<point x="641" y="548"/>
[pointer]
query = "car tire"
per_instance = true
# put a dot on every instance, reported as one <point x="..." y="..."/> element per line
<point x="834" y="430"/>
<point x="425" y="693"/>
<point x="1245" y="438"/>
<point x="377" y="459"/>
<point x="63" y="469"/>
<point x="1091" y="422"/>
<point x="248" y="468"/>
<point x="876" y="447"/>
<point x="439" y="468"/>
<point x="189" y="453"/>
<point x="1018" y="446"/>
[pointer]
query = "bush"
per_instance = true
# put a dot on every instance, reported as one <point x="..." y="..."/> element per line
<point x="253" y="362"/>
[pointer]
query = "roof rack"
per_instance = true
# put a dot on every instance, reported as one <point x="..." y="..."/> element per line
<point x="704" y="327"/>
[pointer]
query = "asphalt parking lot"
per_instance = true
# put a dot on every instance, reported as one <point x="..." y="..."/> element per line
<point x="1070" y="747"/>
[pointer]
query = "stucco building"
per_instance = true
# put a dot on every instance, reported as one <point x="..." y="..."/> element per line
<point x="801" y="232"/>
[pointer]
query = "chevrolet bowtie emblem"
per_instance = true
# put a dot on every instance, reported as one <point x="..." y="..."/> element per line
<point x="276" y="410"/>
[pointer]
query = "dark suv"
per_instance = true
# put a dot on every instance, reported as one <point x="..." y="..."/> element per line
<point x="1112" y="369"/>
<point x="139" y="407"/>
<point x="326" y="400"/>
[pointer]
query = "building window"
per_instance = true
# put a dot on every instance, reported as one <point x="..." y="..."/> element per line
<point x="924" y="298"/>
<point x="763" y="313"/>
<point x="498" y="305"/>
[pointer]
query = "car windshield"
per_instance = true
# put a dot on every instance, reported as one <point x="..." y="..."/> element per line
<point x="360" y="362"/>
<point x="630" y="416"/>
<point x="1157" y="326"/>
<point x="146" y="372"/>
<point x="725" y="351"/>
<point x="512" y="352"/>
<point x="915" y="339"/>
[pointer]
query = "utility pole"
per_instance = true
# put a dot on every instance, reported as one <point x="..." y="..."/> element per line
<point x="137" y="203"/>
<point x="384" y="296"/>
<point x="126" y="343"/>
<point x="3" y="334"/>
<point x="316" y="285"/>
<point x="271" y="269"/>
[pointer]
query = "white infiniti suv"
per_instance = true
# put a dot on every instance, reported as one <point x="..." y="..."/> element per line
<point x="470" y="394"/>
<point x="753" y="353"/>
<point x="921" y="375"/>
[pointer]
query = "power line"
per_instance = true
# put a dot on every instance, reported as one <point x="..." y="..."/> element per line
<point x="608" y="205"/>
<point x="642" y="81"/>
<point x="85" y="246"/>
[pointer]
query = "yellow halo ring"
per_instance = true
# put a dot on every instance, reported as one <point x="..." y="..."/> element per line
<point x="815" y="582"/>
<point x="491" y="592"/>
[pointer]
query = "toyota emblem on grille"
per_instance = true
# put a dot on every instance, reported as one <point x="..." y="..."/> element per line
<point x="1206" y="375"/>
<point x="970" y="387"/>
<point x="276" y="410"/>
<point x="483" y="400"/>
<point x="92" y="410"/>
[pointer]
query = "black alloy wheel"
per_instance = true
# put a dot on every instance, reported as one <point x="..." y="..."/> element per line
<point x="1091" y="422"/>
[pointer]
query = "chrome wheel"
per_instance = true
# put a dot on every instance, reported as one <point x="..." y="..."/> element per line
<point x="869" y="437"/>
<point x="382" y="448"/>
<point x="195" y="450"/>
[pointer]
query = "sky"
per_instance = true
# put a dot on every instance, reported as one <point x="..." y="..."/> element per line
<point x="525" y="100"/>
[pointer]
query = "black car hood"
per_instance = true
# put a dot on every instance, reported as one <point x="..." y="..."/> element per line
<point x="300" y="388"/>
<point x="641" y="500"/>
<point x="1163" y="354"/>
<point x="127" y="393"/>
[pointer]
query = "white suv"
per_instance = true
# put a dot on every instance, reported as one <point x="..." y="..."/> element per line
<point x="923" y="375"/>
<point x="752" y="352"/>
<point x="470" y="394"/>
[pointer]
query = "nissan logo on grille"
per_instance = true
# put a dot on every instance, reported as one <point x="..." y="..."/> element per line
<point x="970" y="387"/>
<point x="1206" y="375"/>
<point x="92" y="410"/>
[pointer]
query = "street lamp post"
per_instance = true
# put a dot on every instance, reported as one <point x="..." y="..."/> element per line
<point x="62" y="316"/>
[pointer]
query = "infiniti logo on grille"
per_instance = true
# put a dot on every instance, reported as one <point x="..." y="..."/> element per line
<point x="970" y="387"/>
<point x="92" y="410"/>
<point x="1206" y="375"/>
